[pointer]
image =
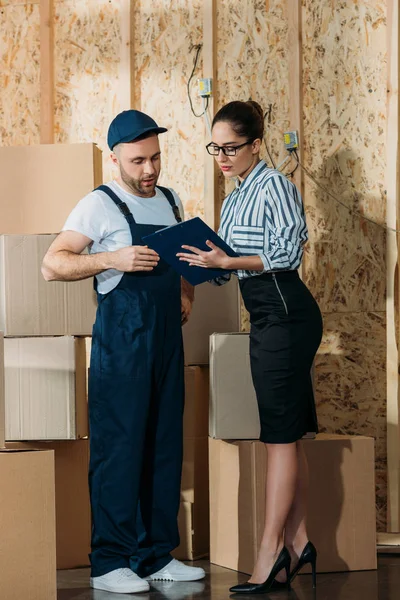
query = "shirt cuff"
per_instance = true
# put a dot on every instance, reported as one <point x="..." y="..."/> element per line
<point x="265" y="262"/>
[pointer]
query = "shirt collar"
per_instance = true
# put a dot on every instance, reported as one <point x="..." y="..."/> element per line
<point x="251" y="176"/>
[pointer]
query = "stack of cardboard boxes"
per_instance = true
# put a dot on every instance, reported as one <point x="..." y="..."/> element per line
<point x="214" y="309"/>
<point x="44" y="461"/>
<point x="45" y="354"/>
<point x="341" y="505"/>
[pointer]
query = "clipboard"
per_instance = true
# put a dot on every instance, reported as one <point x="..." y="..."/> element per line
<point x="167" y="242"/>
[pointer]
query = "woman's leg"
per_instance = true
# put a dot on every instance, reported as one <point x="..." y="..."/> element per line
<point x="295" y="529"/>
<point x="280" y="490"/>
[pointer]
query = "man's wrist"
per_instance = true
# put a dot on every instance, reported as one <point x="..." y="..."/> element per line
<point x="107" y="260"/>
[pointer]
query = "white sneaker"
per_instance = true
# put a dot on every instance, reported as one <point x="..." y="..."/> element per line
<point x="172" y="591"/>
<point x="120" y="581"/>
<point x="177" y="571"/>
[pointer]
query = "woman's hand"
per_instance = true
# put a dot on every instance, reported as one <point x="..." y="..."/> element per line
<point x="211" y="259"/>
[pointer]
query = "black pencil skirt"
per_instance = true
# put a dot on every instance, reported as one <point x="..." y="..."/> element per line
<point x="286" y="331"/>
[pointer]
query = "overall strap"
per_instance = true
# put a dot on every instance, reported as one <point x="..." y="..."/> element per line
<point x="124" y="210"/>
<point x="170" y="197"/>
<point x="121" y="205"/>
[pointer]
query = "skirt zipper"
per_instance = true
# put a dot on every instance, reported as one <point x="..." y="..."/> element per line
<point x="280" y="293"/>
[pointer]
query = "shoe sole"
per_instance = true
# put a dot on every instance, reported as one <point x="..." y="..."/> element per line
<point x="195" y="578"/>
<point x="140" y="587"/>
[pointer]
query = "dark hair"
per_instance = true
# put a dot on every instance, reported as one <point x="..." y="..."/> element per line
<point x="245" y="118"/>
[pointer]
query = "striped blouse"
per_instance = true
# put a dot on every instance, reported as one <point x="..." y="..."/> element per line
<point x="264" y="215"/>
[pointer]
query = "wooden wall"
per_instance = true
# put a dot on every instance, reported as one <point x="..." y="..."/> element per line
<point x="19" y="73"/>
<point x="103" y="67"/>
<point x="344" y="101"/>
<point x="165" y="33"/>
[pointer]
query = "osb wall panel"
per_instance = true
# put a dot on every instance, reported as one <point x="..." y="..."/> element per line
<point x="344" y="147"/>
<point x="19" y="73"/>
<point x="165" y="32"/>
<point x="344" y="100"/>
<point x="88" y="49"/>
<point x="351" y="384"/>
<point x="252" y="48"/>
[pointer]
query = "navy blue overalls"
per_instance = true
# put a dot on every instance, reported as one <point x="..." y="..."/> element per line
<point x="136" y="396"/>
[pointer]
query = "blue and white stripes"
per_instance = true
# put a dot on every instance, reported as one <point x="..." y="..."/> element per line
<point x="265" y="216"/>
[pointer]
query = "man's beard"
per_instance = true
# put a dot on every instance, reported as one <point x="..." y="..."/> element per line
<point x="135" y="185"/>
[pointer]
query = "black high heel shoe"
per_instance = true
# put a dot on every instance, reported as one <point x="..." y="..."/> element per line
<point x="308" y="556"/>
<point x="282" y="562"/>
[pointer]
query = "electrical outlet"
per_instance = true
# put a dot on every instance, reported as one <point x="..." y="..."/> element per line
<point x="205" y="87"/>
<point x="291" y="140"/>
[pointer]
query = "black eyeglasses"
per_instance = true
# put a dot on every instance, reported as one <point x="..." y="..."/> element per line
<point x="214" y="150"/>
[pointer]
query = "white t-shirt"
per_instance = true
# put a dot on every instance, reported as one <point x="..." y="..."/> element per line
<point x="98" y="217"/>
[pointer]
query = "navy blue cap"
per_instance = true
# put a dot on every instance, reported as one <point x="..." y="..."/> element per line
<point x="129" y="125"/>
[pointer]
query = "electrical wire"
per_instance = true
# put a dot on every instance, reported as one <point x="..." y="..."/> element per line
<point x="207" y="116"/>
<point x="288" y="157"/>
<point x="198" y="48"/>
<point x="296" y="167"/>
<point x="351" y="211"/>
<point x="268" y="115"/>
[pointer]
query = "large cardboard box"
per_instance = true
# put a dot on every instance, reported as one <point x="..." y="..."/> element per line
<point x="42" y="184"/>
<point x="27" y="525"/>
<point x="233" y="404"/>
<point x="195" y="419"/>
<point x="194" y="486"/>
<point x="31" y="306"/>
<point x="341" y="505"/>
<point x="215" y="309"/>
<point x="73" y="515"/>
<point x="2" y="397"/>
<point x="194" y="511"/>
<point x="193" y="531"/>
<point x="45" y="388"/>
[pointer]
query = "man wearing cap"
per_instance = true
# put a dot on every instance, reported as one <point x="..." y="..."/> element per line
<point x="136" y="385"/>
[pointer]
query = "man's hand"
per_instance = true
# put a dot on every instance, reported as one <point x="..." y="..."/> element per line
<point x="64" y="261"/>
<point x="186" y="308"/>
<point x="134" y="258"/>
<point x="187" y="299"/>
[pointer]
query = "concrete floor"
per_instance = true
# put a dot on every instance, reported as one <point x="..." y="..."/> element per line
<point x="383" y="584"/>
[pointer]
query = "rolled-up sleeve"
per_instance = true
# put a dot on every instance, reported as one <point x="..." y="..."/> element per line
<point x="286" y="230"/>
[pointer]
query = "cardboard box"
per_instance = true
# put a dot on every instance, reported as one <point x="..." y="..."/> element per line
<point x="45" y="388"/>
<point x="42" y="184"/>
<point x="2" y="396"/>
<point x="31" y="306"/>
<point x="197" y="385"/>
<point x="341" y="506"/>
<point x="194" y="486"/>
<point x="215" y="309"/>
<point x="233" y="404"/>
<point x="194" y="512"/>
<point x="27" y="525"/>
<point x="73" y="515"/>
<point x="194" y="535"/>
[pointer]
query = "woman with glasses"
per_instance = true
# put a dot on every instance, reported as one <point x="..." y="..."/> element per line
<point x="263" y="221"/>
